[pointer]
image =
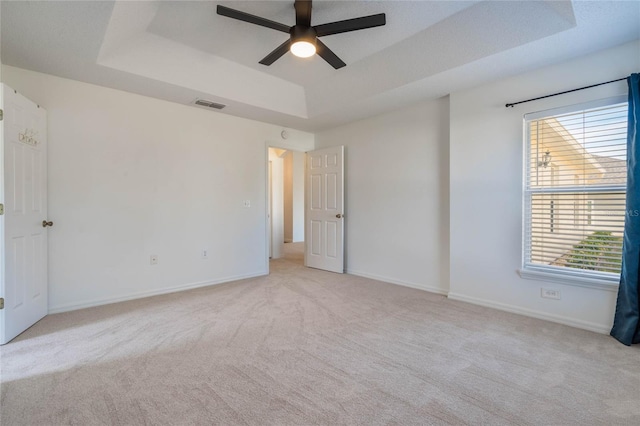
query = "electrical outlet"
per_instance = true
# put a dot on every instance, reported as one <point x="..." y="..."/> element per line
<point x="548" y="293"/>
<point x="153" y="260"/>
<point x="247" y="203"/>
<point x="205" y="254"/>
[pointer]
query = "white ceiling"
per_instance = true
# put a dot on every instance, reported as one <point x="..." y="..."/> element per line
<point x="183" y="50"/>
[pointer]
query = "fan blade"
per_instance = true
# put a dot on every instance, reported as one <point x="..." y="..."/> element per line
<point x="277" y="53"/>
<point x="252" y="19"/>
<point x="303" y="12"/>
<point x="325" y="53"/>
<point x="354" y="24"/>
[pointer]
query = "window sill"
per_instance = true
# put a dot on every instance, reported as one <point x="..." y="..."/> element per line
<point x="579" y="281"/>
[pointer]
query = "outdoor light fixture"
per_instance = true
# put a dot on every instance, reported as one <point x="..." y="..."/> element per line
<point x="546" y="159"/>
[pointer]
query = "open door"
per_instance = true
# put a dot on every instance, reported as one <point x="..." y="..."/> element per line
<point x="23" y="192"/>
<point x="324" y="214"/>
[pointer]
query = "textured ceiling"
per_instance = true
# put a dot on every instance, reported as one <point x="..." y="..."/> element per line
<point x="180" y="50"/>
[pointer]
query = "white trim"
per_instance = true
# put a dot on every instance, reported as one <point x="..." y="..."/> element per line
<point x="584" y="325"/>
<point x="417" y="286"/>
<point x="578" y="281"/>
<point x="143" y="294"/>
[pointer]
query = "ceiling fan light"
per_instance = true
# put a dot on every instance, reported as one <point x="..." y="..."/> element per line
<point x="303" y="49"/>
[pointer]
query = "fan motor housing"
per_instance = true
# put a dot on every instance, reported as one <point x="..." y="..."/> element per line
<point x="303" y="33"/>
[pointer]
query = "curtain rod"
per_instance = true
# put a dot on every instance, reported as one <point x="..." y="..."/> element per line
<point x="567" y="91"/>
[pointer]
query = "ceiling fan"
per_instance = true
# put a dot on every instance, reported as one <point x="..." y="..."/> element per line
<point x="303" y="37"/>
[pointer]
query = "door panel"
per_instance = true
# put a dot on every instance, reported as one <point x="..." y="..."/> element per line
<point x="316" y="238"/>
<point x="316" y="192"/>
<point x="324" y="212"/>
<point x="332" y="191"/>
<point x="16" y="273"/>
<point x="332" y="239"/>
<point x="24" y="284"/>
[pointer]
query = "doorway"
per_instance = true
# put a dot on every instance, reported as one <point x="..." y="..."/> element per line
<point x="317" y="194"/>
<point x="285" y="201"/>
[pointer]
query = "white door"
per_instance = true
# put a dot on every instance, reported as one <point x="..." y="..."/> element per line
<point x="24" y="186"/>
<point x="324" y="215"/>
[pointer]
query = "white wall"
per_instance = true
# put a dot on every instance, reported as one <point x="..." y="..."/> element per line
<point x="131" y="176"/>
<point x="298" y="196"/>
<point x="287" y="210"/>
<point x="396" y="195"/>
<point x="288" y="196"/>
<point x="277" y="201"/>
<point x="294" y="196"/>
<point x="486" y="188"/>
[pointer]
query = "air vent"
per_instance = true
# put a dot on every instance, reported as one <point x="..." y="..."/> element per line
<point x="208" y="104"/>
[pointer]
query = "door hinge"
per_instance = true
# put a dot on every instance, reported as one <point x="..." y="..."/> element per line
<point x="1" y="302"/>
<point x="1" y="115"/>
<point x="1" y="209"/>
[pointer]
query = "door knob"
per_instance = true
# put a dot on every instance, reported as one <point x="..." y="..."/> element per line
<point x="45" y="223"/>
<point x="339" y="216"/>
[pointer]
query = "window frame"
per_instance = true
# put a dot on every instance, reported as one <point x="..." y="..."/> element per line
<point x="559" y="274"/>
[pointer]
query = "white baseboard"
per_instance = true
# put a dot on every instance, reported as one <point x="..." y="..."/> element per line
<point x="149" y="293"/>
<point x="417" y="286"/>
<point x="585" y="325"/>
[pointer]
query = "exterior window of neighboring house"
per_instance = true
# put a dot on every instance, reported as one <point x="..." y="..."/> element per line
<point x="575" y="170"/>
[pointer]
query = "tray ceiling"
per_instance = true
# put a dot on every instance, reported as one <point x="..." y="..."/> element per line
<point x="180" y="50"/>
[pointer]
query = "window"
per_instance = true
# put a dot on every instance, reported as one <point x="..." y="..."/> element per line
<point x="574" y="193"/>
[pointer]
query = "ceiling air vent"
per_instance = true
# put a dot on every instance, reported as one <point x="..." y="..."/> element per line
<point x="208" y="104"/>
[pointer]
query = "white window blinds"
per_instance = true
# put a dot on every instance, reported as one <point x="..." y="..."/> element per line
<point x="575" y="186"/>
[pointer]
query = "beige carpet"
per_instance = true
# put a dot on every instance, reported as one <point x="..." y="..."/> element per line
<point x="305" y="347"/>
